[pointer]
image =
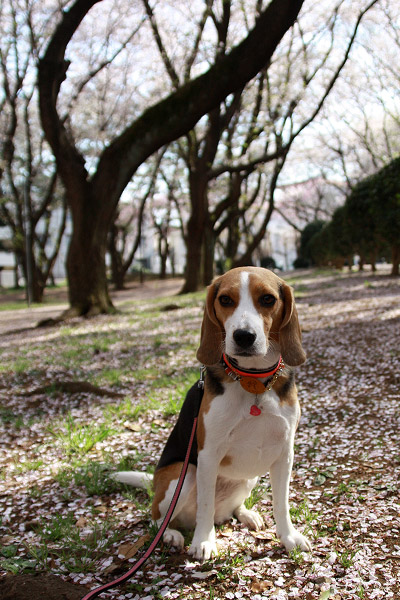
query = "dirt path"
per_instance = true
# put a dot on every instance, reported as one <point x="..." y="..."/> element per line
<point x="56" y="301"/>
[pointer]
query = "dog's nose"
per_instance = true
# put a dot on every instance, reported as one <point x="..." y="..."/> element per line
<point x="244" y="338"/>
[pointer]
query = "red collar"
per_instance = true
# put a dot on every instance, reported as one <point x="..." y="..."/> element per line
<point x="252" y="372"/>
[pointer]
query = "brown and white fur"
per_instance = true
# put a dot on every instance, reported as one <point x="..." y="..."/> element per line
<point x="234" y="447"/>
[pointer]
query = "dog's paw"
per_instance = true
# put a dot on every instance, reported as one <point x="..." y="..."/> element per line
<point x="295" y="539"/>
<point x="203" y="550"/>
<point x="172" y="537"/>
<point x="250" y="518"/>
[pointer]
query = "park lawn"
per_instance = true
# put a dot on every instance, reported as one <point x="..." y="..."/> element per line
<point x="87" y="397"/>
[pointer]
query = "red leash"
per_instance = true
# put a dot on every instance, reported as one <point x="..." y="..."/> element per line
<point x="94" y="593"/>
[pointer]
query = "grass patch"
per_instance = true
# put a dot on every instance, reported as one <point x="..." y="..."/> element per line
<point x="257" y="494"/>
<point x="9" y="417"/>
<point x="93" y="476"/>
<point x="12" y="563"/>
<point x="142" y="500"/>
<point x="78" y="544"/>
<point x="77" y="439"/>
<point x="346" y="558"/>
<point x="111" y="376"/>
<point x="29" y="465"/>
<point x="302" y="514"/>
<point x="129" y="409"/>
<point x="21" y="365"/>
<point x="297" y="556"/>
<point x="21" y="304"/>
<point x="225" y="565"/>
<point x="167" y="395"/>
<point x="169" y="392"/>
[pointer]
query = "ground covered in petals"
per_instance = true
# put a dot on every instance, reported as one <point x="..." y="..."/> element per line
<point x="87" y="397"/>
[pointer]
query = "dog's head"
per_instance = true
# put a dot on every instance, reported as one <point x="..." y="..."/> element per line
<point x="247" y="311"/>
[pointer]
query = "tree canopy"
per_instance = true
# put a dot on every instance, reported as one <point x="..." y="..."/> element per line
<point x="206" y="119"/>
<point x="93" y="198"/>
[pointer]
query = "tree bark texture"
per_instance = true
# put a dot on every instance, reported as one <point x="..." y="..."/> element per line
<point x="117" y="267"/>
<point x="37" y="281"/>
<point x="88" y="291"/>
<point x="195" y="232"/>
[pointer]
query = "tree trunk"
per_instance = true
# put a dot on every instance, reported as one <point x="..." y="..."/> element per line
<point x="37" y="284"/>
<point x="233" y="236"/>
<point x="86" y="267"/>
<point x="350" y="262"/>
<point x="117" y="268"/>
<point x="195" y="235"/>
<point x="245" y="260"/>
<point x="373" y="262"/>
<point x="395" y="260"/>
<point x="163" y="252"/>
<point x="194" y="243"/>
<point x="208" y="253"/>
<point x="16" y="275"/>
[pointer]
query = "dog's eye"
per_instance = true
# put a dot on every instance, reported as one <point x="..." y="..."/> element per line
<point x="225" y="301"/>
<point x="267" y="300"/>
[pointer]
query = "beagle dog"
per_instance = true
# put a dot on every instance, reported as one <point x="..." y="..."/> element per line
<point x="250" y="340"/>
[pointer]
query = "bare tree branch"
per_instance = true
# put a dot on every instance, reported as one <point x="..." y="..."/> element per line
<point x="173" y="75"/>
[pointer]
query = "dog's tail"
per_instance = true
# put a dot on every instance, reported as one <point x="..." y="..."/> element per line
<point x="135" y="478"/>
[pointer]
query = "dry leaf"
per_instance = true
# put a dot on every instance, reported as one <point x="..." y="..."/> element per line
<point x="112" y="568"/>
<point x="261" y="586"/>
<point x="262" y="535"/>
<point x="81" y="523"/>
<point x="160" y="423"/>
<point x="132" y="426"/>
<point x="203" y="574"/>
<point x="227" y="532"/>
<point x="127" y="551"/>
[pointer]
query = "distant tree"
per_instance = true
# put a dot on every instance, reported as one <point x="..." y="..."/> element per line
<point x="332" y="244"/>
<point x="306" y="255"/>
<point x="30" y="189"/>
<point x="340" y="232"/>
<point x="319" y="249"/>
<point x="368" y="224"/>
<point x="268" y="262"/>
<point x="365" y="239"/>
<point x="374" y="209"/>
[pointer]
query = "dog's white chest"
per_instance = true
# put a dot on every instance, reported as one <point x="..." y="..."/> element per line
<point x="249" y="444"/>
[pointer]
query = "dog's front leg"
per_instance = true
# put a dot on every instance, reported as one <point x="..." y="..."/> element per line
<point x="280" y="473"/>
<point x="203" y="544"/>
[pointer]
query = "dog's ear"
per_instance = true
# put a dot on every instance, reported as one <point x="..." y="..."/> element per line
<point x="290" y="332"/>
<point x="212" y="333"/>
